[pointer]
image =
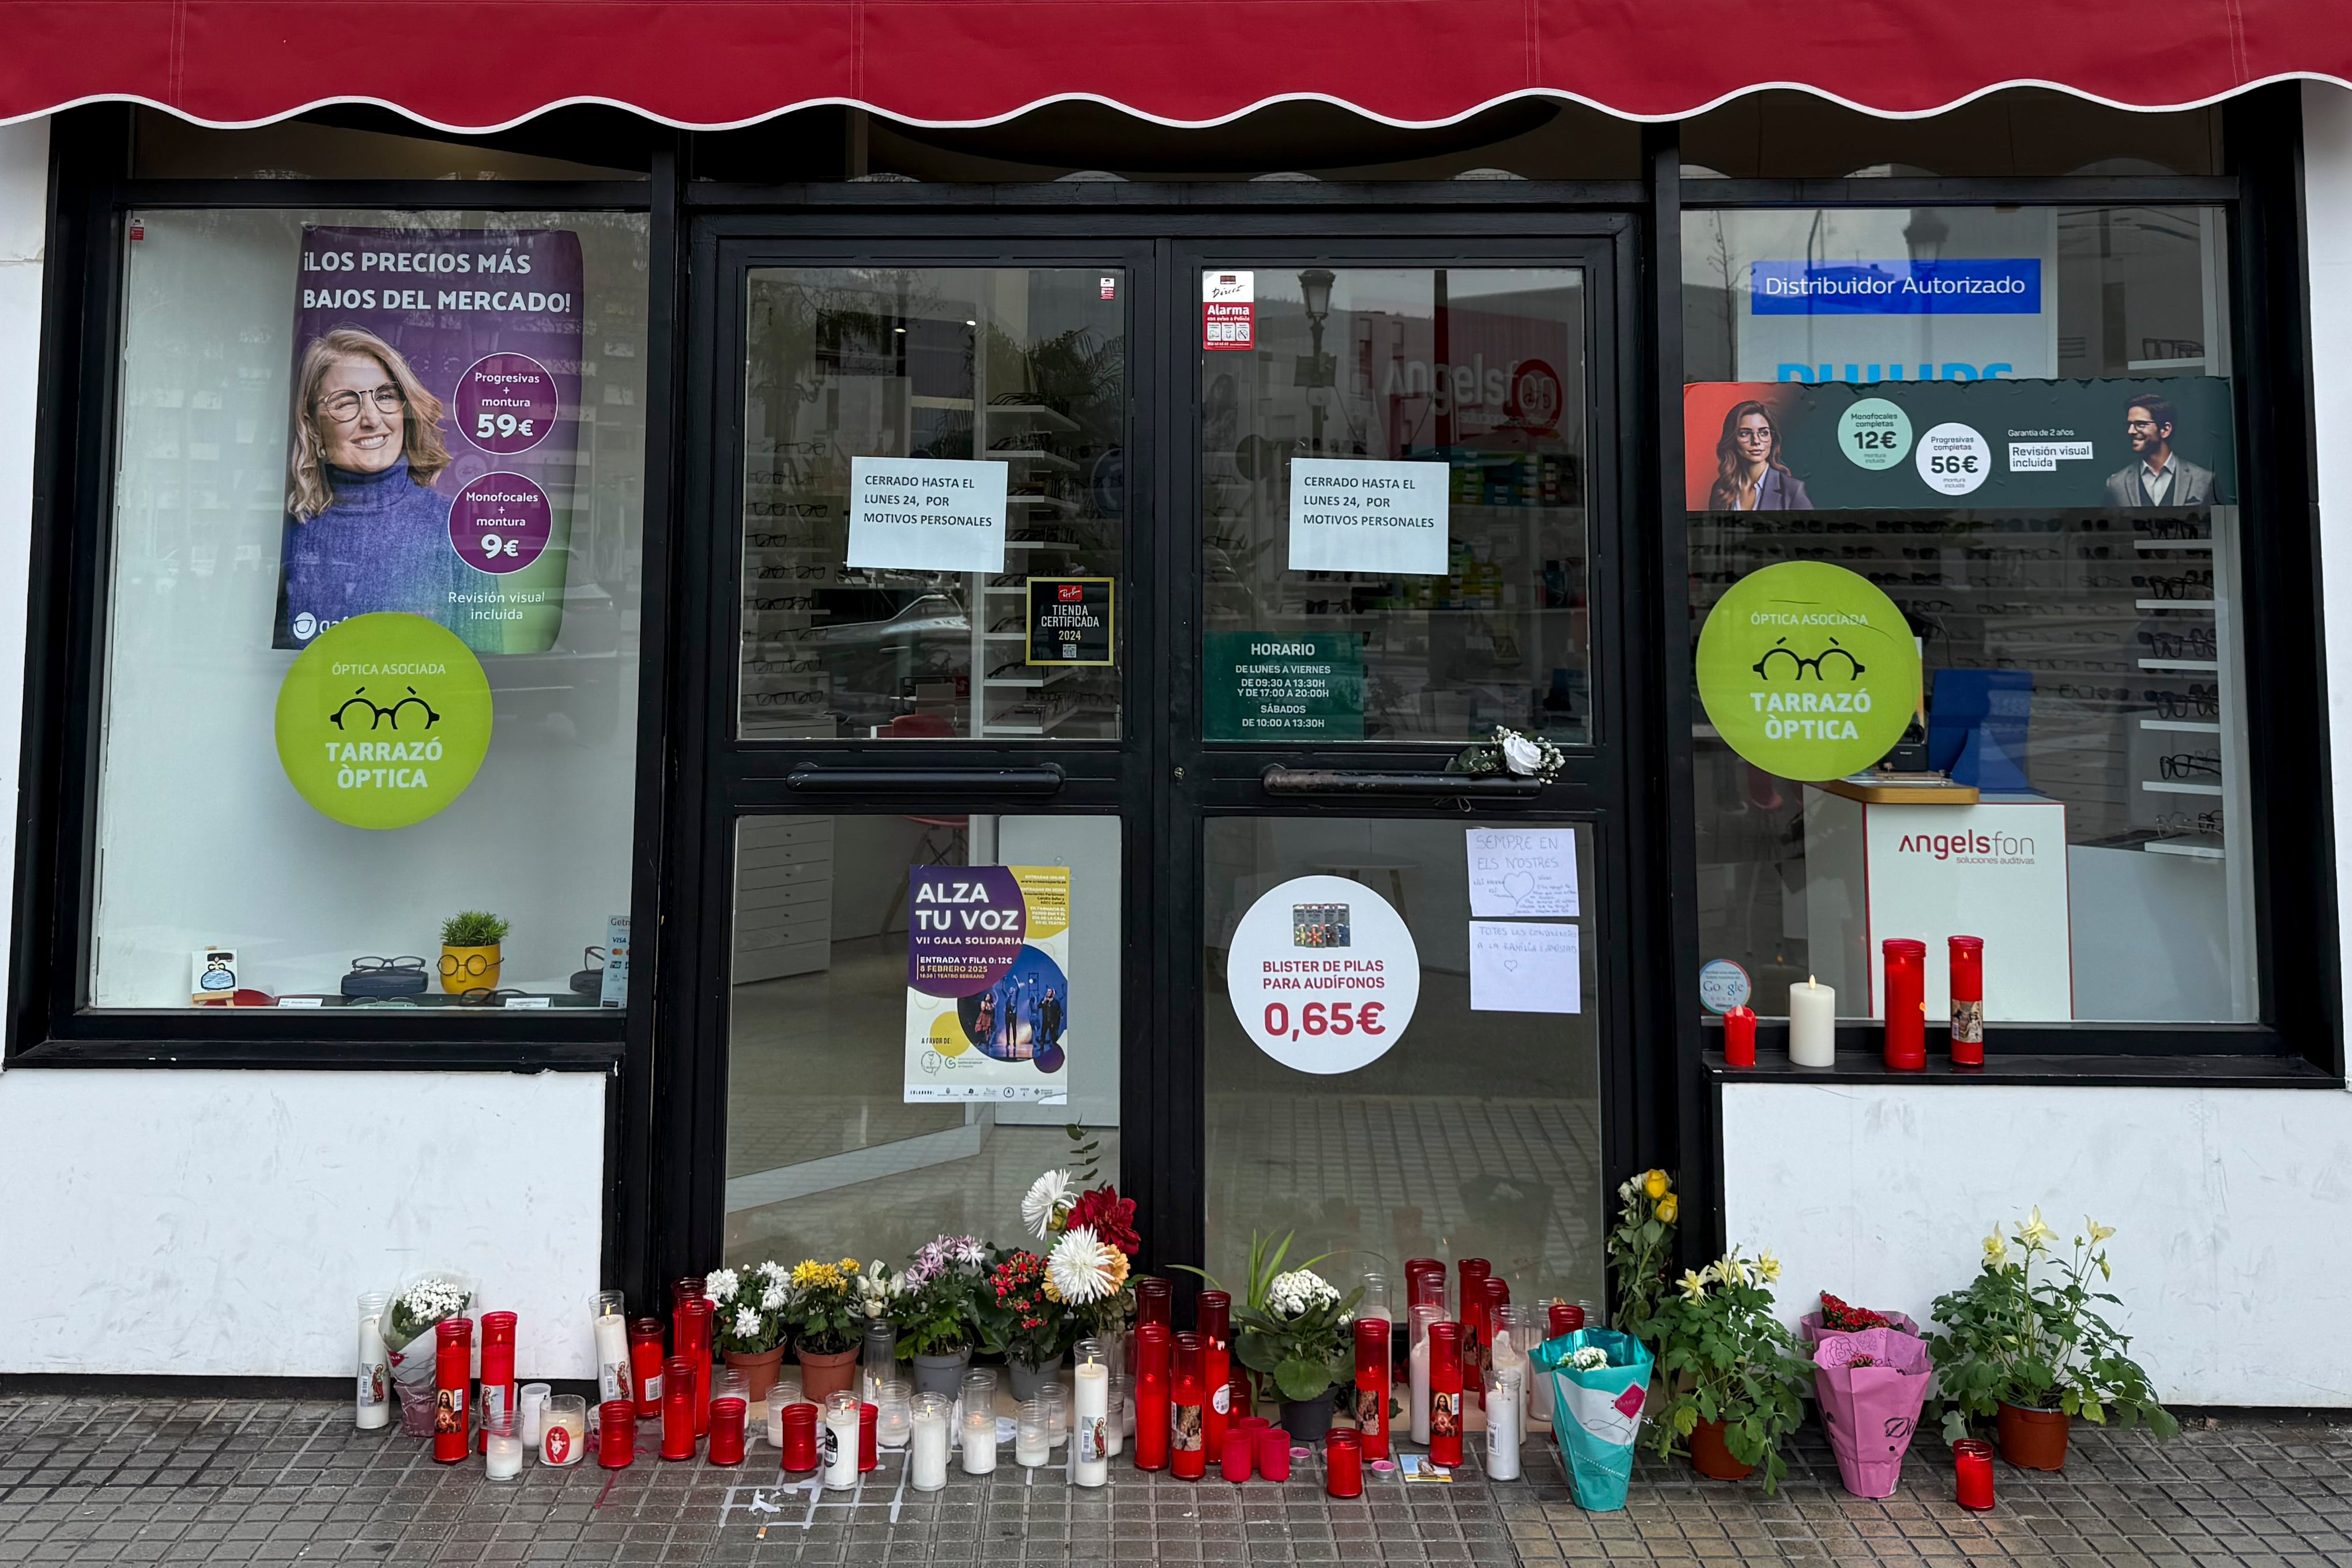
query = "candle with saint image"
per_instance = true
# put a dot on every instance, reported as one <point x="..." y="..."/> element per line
<point x="1445" y="1393"/>
<point x="1968" y="1001"/>
<point x="453" y="1368"/>
<point x="498" y="1364"/>
<point x="611" y="1349"/>
<point x="1372" y="1385"/>
<point x="1424" y="1315"/>
<point x="1089" y="1437"/>
<point x="1812" y="1025"/>
<point x="373" y="1408"/>
<point x="1188" y="1447"/>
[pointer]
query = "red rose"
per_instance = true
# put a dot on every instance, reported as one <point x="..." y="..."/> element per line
<point x="1109" y="1216"/>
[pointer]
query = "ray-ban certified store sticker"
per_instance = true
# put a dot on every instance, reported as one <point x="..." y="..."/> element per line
<point x="383" y="719"/>
<point x="1323" y="975"/>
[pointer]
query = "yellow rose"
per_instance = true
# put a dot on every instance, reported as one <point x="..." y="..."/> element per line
<point x="1668" y="1207"/>
<point x="1655" y="1184"/>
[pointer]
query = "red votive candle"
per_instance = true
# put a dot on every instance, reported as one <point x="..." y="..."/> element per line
<point x="1968" y="1001"/>
<point x="1189" y="1446"/>
<point x="1372" y="1387"/>
<point x="1343" y="1462"/>
<point x="800" y="1437"/>
<point x="616" y="1433"/>
<point x="1972" y="1472"/>
<point x="453" y="1368"/>
<point x="1214" y="1313"/>
<point x="869" y="1455"/>
<point x="645" y="1365"/>
<point x="1151" y="1374"/>
<point x="677" y="1408"/>
<point x="1474" y="1273"/>
<point x="1153" y="1295"/>
<point x="701" y="1315"/>
<point x="1445" y="1393"/>
<point x="1907" y="1004"/>
<point x="1273" y="1453"/>
<point x="727" y="1429"/>
<point x="497" y="1365"/>
<point x="1240" y="1447"/>
<point x="1739" y="1038"/>
<point x="691" y="1288"/>
<point x="1566" y="1318"/>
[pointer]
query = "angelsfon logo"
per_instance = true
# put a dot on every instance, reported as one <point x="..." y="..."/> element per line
<point x="383" y="721"/>
<point x="1971" y="848"/>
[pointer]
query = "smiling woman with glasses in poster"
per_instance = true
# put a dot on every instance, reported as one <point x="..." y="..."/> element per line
<point x="364" y="529"/>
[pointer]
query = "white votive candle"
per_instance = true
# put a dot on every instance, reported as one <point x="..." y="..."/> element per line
<point x="1812" y="1025"/>
<point x="374" y="1407"/>
<point x="1503" y="1384"/>
<point x="613" y="1356"/>
<point x="503" y="1456"/>
<point x="841" y="1441"/>
<point x="1090" y="1431"/>
<point x="927" y="1455"/>
<point x="1417" y="1363"/>
<point x="979" y="1442"/>
<point x="534" y="1399"/>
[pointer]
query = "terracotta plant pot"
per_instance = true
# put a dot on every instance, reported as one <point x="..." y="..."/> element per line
<point x="759" y="1370"/>
<point x="2033" y="1439"/>
<point x="464" y="969"/>
<point x="1712" y="1458"/>
<point x="823" y="1373"/>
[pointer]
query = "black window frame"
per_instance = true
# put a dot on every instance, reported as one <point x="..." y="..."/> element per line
<point x="91" y="196"/>
<point x="2298" y="1037"/>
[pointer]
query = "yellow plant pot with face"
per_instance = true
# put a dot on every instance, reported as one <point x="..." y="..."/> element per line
<point x="464" y="969"/>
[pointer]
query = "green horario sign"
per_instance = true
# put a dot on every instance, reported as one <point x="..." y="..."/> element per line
<point x="1808" y="671"/>
<point x="383" y="719"/>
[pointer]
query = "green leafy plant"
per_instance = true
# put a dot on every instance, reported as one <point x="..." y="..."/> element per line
<point x="938" y="1312"/>
<point x="1728" y="1359"/>
<point x="1291" y="1329"/>
<point x="2028" y="1332"/>
<point x="749" y="1307"/>
<point x="474" y="928"/>
<point x="1641" y="1246"/>
<point x="824" y="1311"/>
<point x="1085" y="1155"/>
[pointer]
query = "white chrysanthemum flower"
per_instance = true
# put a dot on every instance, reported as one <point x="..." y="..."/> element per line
<point x="1080" y="1267"/>
<point x="721" y="1285"/>
<point x="746" y="1323"/>
<point x="774" y="1297"/>
<point x="773" y="1270"/>
<point x="1299" y="1291"/>
<point x="1048" y="1200"/>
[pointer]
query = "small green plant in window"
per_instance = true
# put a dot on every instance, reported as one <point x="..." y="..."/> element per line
<point x="474" y="928"/>
<point x="469" y="952"/>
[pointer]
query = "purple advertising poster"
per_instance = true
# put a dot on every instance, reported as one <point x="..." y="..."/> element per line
<point x="434" y="432"/>
<point x="966" y="925"/>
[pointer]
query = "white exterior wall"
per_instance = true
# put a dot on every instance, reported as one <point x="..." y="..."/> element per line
<point x="186" y="1221"/>
<point x="2231" y="1205"/>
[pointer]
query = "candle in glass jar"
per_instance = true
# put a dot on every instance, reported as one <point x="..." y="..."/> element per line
<point x="1090" y="1436"/>
<point x="497" y="1375"/>
<point x="502" y="1449"/>
<point x="1504" y="1381"/>
<point x="1445" y="1393"/>
<point x="1812" y="1025"/>
<point x="727" y="1416"/>
<point x="1905" y="990"/>
<point x="452" y="1367"/>
<point x="1968" y="1001"/>
<point x="894" y="1408"/>
<point x="373" y="1408"/>
<point x="1372" y="1384"/>
<point x="532" y="1403"/>
<point x="1122" y="1413"/>
<point x="1030" y="1448"/>
<point x="927" y="1451"/>
<point x="677" y="1409"/>
<point x="611" y="1350"/>
<point x="563" y="1431"/>
<point x="841" y="1440"/>
<point x="1188" y="1448"/>
<point x="1213" y="1312"/>
<point x="879" y="1361"/>
<point x="646" y="1359"/>
<point x="1151" y="1355"/>
<point x="1425" y="1314"/>
<point x="979" y="1441"/>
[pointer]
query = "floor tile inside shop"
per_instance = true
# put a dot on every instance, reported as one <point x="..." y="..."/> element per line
<point x="170" y="1481"/>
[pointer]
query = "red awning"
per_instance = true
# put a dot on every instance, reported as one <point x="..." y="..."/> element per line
<point x="708" y="63"/>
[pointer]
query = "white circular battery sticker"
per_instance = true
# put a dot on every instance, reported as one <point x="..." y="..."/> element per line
<point x="1323" y="975"/>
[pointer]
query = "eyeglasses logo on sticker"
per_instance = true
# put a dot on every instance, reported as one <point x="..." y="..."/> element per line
<point x="1799" y="663"/>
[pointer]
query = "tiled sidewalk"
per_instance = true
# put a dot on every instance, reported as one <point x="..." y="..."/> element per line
<point x="154" y="1480"/>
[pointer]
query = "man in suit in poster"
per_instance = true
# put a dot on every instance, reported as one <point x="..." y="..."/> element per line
<point x="2157" y="475"/>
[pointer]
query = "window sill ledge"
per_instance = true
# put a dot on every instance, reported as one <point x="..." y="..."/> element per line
<point x="315" y="1056"/>
<point x="1857" y="1068"/>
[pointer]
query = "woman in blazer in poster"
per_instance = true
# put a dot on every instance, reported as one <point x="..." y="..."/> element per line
<point x="1749" y="475"/>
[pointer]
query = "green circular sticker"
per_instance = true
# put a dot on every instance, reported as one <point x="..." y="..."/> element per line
<point x="383" y="719"/>
<point x="1807" y="670"/>
<point x="1874" y="433"/>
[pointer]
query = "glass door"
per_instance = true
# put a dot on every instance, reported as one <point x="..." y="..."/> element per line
<point x="920" y="801"/>
<point x="1405" y="491"/>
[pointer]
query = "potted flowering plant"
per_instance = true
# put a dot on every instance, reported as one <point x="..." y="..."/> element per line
<point x="937" y="1311"/>
<point x="2027" y="1348"/>
<point x="426" y="1301"/>
<point x="826" y="1314"/>
<point x="1837" y="1318"/>
<point x="749" y="1315"/>
<point x="1639" y="1248"/>
<point x="1053" y="1208"/>
<point x="1023" y="1320"/>
<point x="1733" y="1368"/>
<point x="1292" y="1330"/>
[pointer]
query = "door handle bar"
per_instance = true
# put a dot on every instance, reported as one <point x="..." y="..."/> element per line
<point x="1279" y="780"/>
<point x="1047" y="779"/>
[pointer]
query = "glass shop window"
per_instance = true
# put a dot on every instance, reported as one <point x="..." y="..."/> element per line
<point x="370" y="646"/>
<point x="581" y="142"/>
<point x="2026" y="133"/>
<point x="1965" y="592"/>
